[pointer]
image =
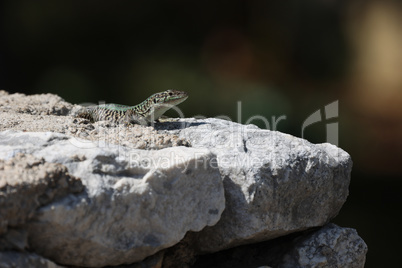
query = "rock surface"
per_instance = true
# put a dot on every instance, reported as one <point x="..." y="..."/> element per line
<point x="103" y="200"/>
<point x="135" y="202"/>
<point x="275" y="183"/>
<point x="27" y="183"/>
<point x="48" y="112"/>
<point x="25" y="260"/>
<point x="329" y="246"/>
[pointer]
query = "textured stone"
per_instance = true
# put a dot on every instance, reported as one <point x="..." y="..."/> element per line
<point x="26" y="183"/>
<point x="38" y="104"/>
<point x="135" y="202"/>
<point x="275" y="183"/>
<point x="331" y="246"/>
<point x="11" y="259"/>
<point x="49" y="112"/>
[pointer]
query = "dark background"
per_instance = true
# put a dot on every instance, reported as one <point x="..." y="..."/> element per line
<point x="277" y="57"/>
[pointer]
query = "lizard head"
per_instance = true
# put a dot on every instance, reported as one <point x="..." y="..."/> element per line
<point x="156" y="105"/>
<point x="169" y="97"/>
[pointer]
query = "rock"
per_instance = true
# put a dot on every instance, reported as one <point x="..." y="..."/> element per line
<point x="12" y="259"/>
<point x="331" y="246"/>
<point x="103" y="201"/>
<point x="135" y="202"/>
<point x="38" y="104"/>
<point x="275" y="184"/>
<point x="49" y="112"/>
<point x="26" y="183"/>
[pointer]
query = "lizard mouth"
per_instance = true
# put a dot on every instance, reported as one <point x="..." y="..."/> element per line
<point x="177" y="100"/>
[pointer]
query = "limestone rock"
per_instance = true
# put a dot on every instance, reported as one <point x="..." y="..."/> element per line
<point x="275" y="183"/>
<point x="49" y="112"/>
<point x="331" y="246"/>
<point x="102" y="201"/>
<point x="38" y="104"/>
<point x="26" y="183"/>
<point x="135" y="202"/>
<point x="11" y="259"/>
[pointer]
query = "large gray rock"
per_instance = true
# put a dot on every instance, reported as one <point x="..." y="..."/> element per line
<point x="275" y="183"/>
<point x="135" y="202"/>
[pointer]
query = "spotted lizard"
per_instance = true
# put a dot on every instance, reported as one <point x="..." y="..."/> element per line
<point x="144" y="113"/>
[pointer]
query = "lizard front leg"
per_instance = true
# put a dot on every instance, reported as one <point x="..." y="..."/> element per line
<point x="132" y="118"/>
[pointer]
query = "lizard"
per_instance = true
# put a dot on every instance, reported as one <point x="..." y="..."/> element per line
<point x="144" y="113"/>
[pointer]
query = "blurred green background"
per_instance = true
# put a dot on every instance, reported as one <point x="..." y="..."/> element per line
<point x="279" y="58"/>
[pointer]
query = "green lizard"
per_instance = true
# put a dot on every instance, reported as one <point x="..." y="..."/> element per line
<point x="144" y="113"/>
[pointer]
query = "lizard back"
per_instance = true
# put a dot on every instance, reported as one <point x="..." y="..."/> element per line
<point x="145" y="112"/>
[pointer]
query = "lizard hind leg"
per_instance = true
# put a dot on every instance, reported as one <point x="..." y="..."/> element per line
<point x="85" y="115"/>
